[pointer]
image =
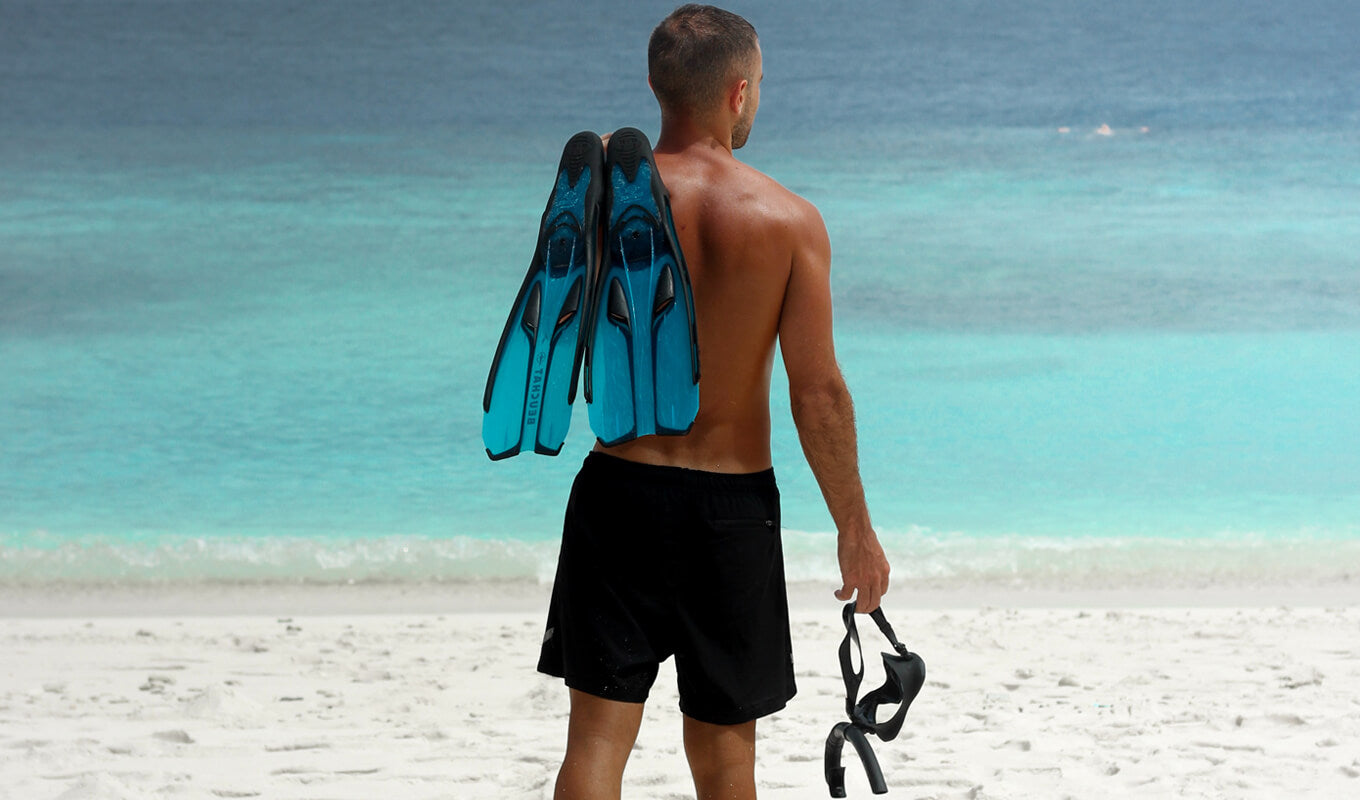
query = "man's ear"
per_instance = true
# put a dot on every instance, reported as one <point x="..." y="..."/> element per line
<point x="736" y="98"/>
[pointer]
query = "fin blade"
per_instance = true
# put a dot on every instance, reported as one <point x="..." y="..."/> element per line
<point x="532" y="383"/>
<point x="642" y="378"/>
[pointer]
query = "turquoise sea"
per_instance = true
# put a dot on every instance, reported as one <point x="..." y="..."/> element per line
<point x="1097" y="281"/>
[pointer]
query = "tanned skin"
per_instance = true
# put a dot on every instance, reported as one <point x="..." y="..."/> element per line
<point x="760" y="263"/>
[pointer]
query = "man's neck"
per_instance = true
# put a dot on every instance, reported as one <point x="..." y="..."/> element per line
<point x="680" y="133"/>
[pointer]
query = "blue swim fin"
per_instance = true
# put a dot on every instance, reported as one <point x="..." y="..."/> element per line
<point x="527" y="403"/>
<point x="642" y="360"/>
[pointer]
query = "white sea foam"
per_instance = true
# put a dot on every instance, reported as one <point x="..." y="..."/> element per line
<point x="919" y="557"/>
<point x="40" y="558"/>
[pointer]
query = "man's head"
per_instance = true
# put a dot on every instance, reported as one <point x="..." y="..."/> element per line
<point x="703" y="61"/>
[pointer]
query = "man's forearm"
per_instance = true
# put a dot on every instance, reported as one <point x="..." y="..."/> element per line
<point x="825" y="418"/>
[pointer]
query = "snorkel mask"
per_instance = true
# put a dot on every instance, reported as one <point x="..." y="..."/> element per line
<point x="906" y="674"/>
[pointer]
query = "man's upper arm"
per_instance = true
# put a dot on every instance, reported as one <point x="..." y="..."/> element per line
<point x="805" y="323"/>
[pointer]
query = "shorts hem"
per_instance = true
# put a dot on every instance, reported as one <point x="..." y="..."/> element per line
<point x="740" y="715"/>
<point x="595" y="690"/>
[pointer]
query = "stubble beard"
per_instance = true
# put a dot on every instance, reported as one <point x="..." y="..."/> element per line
<point x="741" y="131"/>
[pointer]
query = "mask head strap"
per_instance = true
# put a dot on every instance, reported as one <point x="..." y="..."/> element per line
<point x="906" y="673"/>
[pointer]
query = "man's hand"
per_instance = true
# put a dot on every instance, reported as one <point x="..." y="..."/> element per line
<point x="864" y="569"/>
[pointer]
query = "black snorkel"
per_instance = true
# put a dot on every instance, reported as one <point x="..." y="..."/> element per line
<point x="906" y="673"/>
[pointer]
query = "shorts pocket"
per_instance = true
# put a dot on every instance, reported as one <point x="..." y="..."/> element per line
<point x="740" y="557"/>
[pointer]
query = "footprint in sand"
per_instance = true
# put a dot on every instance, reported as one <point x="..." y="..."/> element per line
<point x="223" y="703"/>
<point x="800" y="757"/>
<point x="157" y="684"/>
<point x="1287" y="719"/>
<point x="96" y="787"/>
<point x="294" y="746"/>
<point x="546" y="698"/>
<point x="176" y="736"/>
<point x="249" y="644"/>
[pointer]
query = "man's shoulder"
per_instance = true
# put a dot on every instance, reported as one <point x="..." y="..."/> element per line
<point x="778" y="201"/>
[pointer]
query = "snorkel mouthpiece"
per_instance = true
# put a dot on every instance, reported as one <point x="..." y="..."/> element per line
<point x="906" y="674"/>
<point x="835" y="773"/>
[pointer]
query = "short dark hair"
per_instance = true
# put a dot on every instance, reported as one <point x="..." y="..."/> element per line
<point x="695" y="52"/>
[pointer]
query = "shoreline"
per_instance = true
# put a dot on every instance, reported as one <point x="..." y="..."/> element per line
<point x="216" y="599"/>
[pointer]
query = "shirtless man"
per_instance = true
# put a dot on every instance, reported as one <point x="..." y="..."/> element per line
<point x="671" y="543"/>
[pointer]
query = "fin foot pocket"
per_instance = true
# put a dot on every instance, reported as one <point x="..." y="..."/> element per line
<point x="637" y="243"/>
<point x="577" y="154"/>
<point x="628" y="148"/>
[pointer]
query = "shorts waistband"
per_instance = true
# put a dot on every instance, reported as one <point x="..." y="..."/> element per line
<point x="610" y="466"/>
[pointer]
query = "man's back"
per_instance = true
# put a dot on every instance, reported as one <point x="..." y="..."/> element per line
<point x="658" y="561"/>
<point x="740" y="232"/>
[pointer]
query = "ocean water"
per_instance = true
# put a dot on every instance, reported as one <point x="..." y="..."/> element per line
<point x="1096" y="276"/>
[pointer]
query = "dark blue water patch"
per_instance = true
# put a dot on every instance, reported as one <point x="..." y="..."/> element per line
<point x="1038" y="230"/>
<point x="1102" y="302"/>
<point x="158" y="229"/>
<point x="517" y="66"/>
<point x="343" y="65"/>
<point x="40" y="303"/>
<point x="925" y="64"/>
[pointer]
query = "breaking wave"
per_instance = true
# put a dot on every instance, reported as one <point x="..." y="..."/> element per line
<point x="919" y="557"/>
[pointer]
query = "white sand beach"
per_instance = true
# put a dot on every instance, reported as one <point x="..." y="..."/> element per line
<point x="213" y="693"/>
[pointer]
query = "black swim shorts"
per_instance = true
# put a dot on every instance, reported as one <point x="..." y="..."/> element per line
<point x="662" y="561"/>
